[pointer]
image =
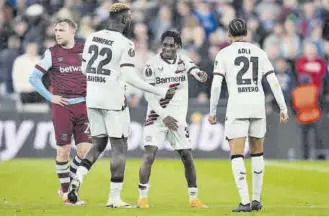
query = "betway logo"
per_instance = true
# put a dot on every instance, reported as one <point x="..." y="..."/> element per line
<point x="70" y="69"/>
<point x="170" y="79"/>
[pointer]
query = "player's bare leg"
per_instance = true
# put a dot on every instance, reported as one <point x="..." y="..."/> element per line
<point x="99" y="145"/>
<point x="239" y="173"/>
<point x="118" y="165"/>
<point x="144" y="175"/>
<point x="190" y="175"/>
<point x="257" y="162"/>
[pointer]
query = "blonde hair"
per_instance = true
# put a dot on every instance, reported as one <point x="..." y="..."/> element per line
<point x="119" y="7"/>
<point x="70" y="22"/>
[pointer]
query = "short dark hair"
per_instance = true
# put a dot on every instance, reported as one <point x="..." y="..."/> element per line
<point x="71" y="23"/>
<point x="118" y="8"/>
<point x="237" y="27"/>
<point x="173" y="34"/>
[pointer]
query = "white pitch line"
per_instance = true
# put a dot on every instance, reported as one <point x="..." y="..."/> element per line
<point x="295" y="166"/>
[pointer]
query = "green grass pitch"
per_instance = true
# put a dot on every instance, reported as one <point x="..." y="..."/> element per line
<point x="28" y="187"/>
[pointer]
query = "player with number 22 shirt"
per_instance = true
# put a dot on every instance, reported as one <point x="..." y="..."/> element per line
<point x="244" y="65"/>
<point x="108" y="62"/>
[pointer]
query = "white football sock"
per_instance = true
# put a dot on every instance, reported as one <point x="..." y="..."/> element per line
<point x="257" y="163"/>
<point x="239" y="173"/>
<point x="81" y="173"/>
<point x="115" y="191"/>
<point x="143" y="190"/>
<point x="193" y="193"/>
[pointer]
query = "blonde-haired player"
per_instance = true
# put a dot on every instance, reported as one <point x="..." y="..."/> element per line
<point x="108" y="62"/>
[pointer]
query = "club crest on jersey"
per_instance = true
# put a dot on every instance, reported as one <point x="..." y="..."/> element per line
<point x="131" y="52"/>
<point x="180" y="67"/>
<point x="60" y="59"/>
<point x="64" y="137"/>
<point x="160" y="67"/>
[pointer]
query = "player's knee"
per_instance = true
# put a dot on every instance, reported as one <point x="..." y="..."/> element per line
<point x="63" y="152"/>
<point x="100" y="143"/>
<point x="186" y="156"/>
<point x="149" y="158"/>
<point x="82" y="149"/>
<point x="117" y="161"/>
<point x="120" y="159"/>
<point x="256" y="145"/>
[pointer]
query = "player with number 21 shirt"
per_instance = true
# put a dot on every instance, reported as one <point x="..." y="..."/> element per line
<point x="244" y="65"/>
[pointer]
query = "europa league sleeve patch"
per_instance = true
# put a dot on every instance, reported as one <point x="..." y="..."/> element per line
<point x="148" y="72"/>
<point x="131" y="52"/>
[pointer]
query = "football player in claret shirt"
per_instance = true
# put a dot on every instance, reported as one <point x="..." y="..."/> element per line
<point x="63" y="63"/>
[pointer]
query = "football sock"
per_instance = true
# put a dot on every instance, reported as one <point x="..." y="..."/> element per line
<point x="239" y="173"/>
<point x="115" y="189"/>
<point x="143" y="190"/>
<point x="62" y="169"/>
<point x="193" y="192"/>
<point x="74" y="166"/>
<point x="257" y="163"/>
<point x="83" y="169"/>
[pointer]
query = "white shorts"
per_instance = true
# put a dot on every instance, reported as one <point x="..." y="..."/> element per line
<point x="156" y="133"/>
<point x="108" y="122"/>
<point x="243" y="127"/>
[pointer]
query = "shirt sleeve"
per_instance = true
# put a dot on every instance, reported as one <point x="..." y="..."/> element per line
<point x="267" y="66"/>
<point x="219" y="66"/>
<point x="45" y="63"/>
<point x="128" y="56"/>
<point x="190" y="65"/>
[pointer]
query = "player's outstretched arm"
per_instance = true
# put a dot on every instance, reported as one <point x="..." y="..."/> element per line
<point x="131" y="77"/>
<point x="36" y="81"/>
<point x="194" y="70"/>
<point x="199" y="75"/>
<point x="278" y="95"/>
<point x="215" y="93"/>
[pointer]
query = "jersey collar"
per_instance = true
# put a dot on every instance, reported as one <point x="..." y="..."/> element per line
<point x="167" y="60"/>
<point x="113" y="30"/>
<point x="240" y="41"/>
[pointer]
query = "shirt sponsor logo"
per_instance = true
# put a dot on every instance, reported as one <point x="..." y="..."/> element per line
<point x="70" y="69"/>
<point x="170" y="79"/>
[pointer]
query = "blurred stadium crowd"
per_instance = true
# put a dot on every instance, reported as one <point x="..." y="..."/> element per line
<point x="288" y="30"/>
